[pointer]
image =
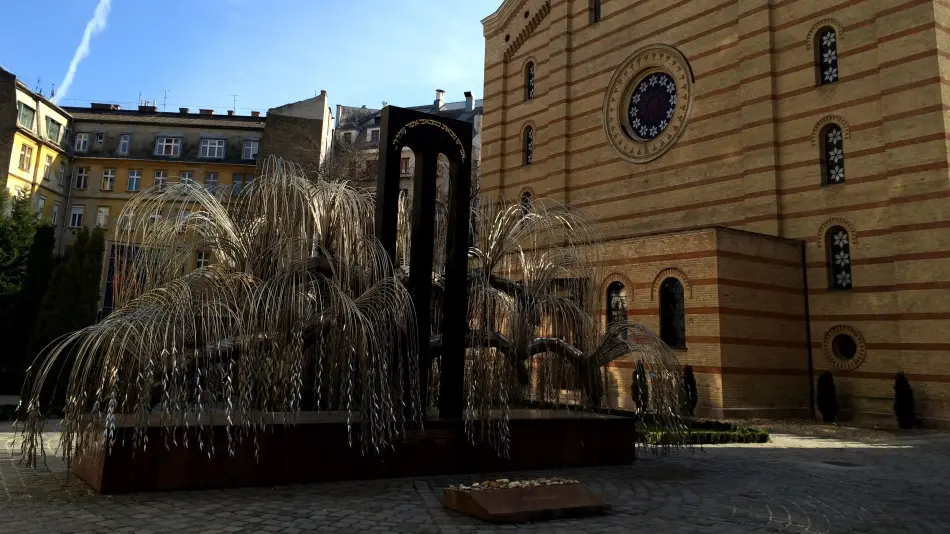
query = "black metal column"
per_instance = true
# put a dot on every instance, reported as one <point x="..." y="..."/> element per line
<point x="455" y="304"/>
<point x="420" y="258"/>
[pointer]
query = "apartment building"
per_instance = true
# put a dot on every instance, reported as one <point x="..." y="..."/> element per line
<point x="358" y="127"/>
<point x="35" y="133"/>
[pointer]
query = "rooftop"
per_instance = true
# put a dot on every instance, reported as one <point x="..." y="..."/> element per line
<point x="149" y="115"/>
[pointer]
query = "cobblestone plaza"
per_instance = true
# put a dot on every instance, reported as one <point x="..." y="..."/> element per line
<point x="793" y="484"/>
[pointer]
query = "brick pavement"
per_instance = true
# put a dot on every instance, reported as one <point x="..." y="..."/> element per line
<point x="784" y="486"/>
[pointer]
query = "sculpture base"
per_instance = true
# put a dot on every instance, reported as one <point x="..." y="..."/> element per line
<point x="317" y="449"/>
<point x="520" y="505"/>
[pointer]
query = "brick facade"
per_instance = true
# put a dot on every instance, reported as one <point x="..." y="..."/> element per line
<point x="750" y="160"/>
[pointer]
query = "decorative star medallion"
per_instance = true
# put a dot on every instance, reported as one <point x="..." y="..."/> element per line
<point x="647" y="104"/>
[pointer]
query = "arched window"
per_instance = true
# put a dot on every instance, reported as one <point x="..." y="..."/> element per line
<point x="672" y="313"/>
<point x="839" y="259"/>
<point x="594" y="11"/>
<point x="832" y="155"/>
<point x="826" y="56"/>
<point x="617" y="305"/>
<point x="529" y="81"/>
<point x="528" y="145"/>
<point x="526" y="202"/>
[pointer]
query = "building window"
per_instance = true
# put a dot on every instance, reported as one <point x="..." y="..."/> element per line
<point x="212" y="148"/>
<point x="40" y="205"/>
<point x="152" y="219"/>
<point x="528" y="147"/>
<point x="529" y="81"/>
<point x="374" y="136"/>
<point x="55" y="218"/>
<point x="826" y="56"/>
<point x="26" y="157"/>
<point x="82" y="142"/>
<point x="82" y="178"/>
<point x="160" y="178"/>
<point x="237" y="183"/>
<point x="839" y="259"/>
<point x="47" y="167"/>
<point x="108" y="179"/>
<point x="348" y="137"/>
<point x="250" y="149"/>
<point x="211" y="181"/>
<point x="832" y="155"/>
<point x="168" y="146"/>
<point x="202" y="259"/>
<point x="185" y="177"/>
<point x="53" y="129"/>
<point x="594" y="11"/>
<point x="102" y="217"/>
<point x="404" y="166"/>
<point x="100" y="138"/>
<point x="135" y="176"/>
<point x="672" y="313"/>
<point x="617" y="305"/>
<point x="75" y="216"/>
<point x="526" y="202"/>
<point x="125" y="221"/>
<point x="124" y="141"/>
<point x="25" y="116"/>
<point x="61" y="179"/>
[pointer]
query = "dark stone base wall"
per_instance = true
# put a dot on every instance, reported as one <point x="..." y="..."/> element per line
<point x="320" y="452"/>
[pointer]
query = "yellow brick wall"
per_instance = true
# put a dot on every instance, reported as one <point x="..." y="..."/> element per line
<point x="749" y="159"/>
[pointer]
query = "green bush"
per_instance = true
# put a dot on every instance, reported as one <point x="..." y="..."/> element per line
<point x="903" y="401"/>
<point x="705" y="437"/>
<point x="827" y="398"/>
<point x="689" y="390"/>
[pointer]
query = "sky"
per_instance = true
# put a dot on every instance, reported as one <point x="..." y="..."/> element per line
<point x="199" y="53"/>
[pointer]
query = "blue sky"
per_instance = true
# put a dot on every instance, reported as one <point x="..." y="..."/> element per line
<point x="267" y="52"/>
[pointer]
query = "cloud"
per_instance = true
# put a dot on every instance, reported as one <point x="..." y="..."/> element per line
<point x="95" y="25"/>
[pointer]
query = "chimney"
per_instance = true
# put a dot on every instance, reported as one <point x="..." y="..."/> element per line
<point x="147" y="109"/>
<point x="183" y="111"/>
<point x="255" y="113"/>
<point x="99" y="106"/>
<point x="230" y="113"/>
<point x="469" y="101"/>
<point x="439" y="99"/>
<point x="206" y="112"/>
<point x="323" y="94"/>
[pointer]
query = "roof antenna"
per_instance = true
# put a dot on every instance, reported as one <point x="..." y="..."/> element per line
<point x="52" y="91"/>
<point x="38" y="89"/>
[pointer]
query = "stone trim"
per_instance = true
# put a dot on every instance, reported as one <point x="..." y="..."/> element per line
<point x="830" y="119"/>
<point x="528" y="30"/>
<point x="838" y="363"/>
<point x="837" y="221"/>
<point x="823" y="23"/>
<point x="671" y="272"/>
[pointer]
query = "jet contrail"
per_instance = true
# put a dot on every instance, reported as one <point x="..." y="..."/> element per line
<point x="96" y="24"/>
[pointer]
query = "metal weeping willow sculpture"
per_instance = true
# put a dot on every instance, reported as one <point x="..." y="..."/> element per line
<point x="301" y="309"/>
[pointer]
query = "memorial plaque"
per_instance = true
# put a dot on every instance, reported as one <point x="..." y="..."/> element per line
<point x="520" y="505"/>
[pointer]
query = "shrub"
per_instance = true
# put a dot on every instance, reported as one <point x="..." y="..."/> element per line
<point x="641" y="392"/>
<point x="903" y="401"/>
<point x="689" y="389"/>
<point x="827" y="397"/>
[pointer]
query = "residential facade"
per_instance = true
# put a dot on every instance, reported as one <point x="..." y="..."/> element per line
<point x="118" y="153"/>
<point x="35" y="133"/>
<point x="358" y="128"/>
<point x="770" y="178"/>
<point x="301" y="132"/>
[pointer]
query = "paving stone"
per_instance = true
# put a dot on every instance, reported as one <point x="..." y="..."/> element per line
<point x="784" y="486"/>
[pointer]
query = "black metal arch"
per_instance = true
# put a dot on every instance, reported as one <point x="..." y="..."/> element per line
<point x="428" y="136"/>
